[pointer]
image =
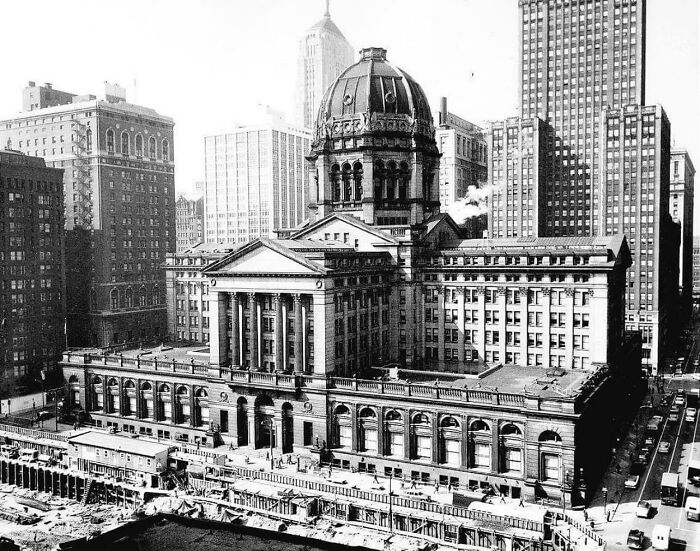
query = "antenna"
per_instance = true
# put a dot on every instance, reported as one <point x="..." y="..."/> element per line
<point x="328" y="10"/>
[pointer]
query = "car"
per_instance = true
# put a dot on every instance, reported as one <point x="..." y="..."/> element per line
<point x="665" y="446"/>
<point x="678" y="372"/>
<point x="643" y="509"/>
<point x="635" y="539"/>
<point x="690" y="415"/>
<point x="673" y="417"/>
<point x="650" y="441"/>
<point x="632" y="482"/>
<point x="644" y="455"/>
<point x="679" y="400"/>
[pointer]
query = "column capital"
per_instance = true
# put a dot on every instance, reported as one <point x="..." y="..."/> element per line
<point x="297" y="297"/>
<point x="276" y="297"/>
<point x="251" y="295"/>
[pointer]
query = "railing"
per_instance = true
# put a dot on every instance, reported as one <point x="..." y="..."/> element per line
<point x="33" y="433"/>
<point x="136" y="363"/>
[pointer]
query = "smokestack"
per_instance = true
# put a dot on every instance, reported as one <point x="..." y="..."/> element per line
<point x="443" y="110"/>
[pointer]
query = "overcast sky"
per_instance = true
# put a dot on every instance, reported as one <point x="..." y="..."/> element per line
<point x="208" y="63"/>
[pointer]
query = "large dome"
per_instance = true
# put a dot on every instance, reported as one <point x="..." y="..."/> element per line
<point x="373" y="95"/>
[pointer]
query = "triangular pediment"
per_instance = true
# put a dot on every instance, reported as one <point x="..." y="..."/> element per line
<point x="264" y="258"/>
<point x="346" y="229"/>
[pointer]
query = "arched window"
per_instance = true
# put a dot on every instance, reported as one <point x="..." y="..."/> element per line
<point x="450" y="441"/>
<point x="343" y="427"/>
<point x="549" y="436"/>
<point x="511" y="449"/>
<point x="391" y="176"/>
<point x="201" y="407"/>
<point x="378" y="178"/>
<point x="404" y="180"/>
<point x="125" y="143"/>
<point x="368" y="431"/>
<point x="357" y="172"/>
<point x="336" y="182"/>
<point x="394" y="431"/>
<point x="480" y="445"/>
<point x="422" y="439"/>
<point x="152" y="147"/>
<point x="114" y="299"/>
<point x="88" y="140"/>
<point x="128" y="298"/>
<point x="165" y="406"/>
<point x="511" y="430"/>
<point x="156" y="296"/>
<point x="183" y="412"/>
<point x="166" y="150"/>
<point x="139" y="145"/>
<point x="142" y="296"/>
<point x="110" y="141"/>
<point x="129" y="398"/>
<point x="347" y="183"/>
<point x="147" y="410"/>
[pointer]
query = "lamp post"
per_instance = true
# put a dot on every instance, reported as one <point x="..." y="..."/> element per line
<point x="564" y="487"/>
<point x="272" y="441"/>
<point x="391" y="499"/>
<point x="605" y="502"/>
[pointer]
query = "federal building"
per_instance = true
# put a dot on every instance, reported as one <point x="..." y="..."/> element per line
<point x="374" y="337"/>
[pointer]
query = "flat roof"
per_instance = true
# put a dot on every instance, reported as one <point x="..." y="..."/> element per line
<point x="117" y="442"/>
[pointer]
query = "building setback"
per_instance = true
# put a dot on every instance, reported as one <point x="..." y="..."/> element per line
<point x="188" y="291"/>
<point x="32" y="278"/>
<point x="119" y="202"/>
<point x="682" y="201"/>
<point x="577" y="59"/>
<point x="256" y="181"/>
<point x="323" y="54"/>
<point x="189" y="222"/>
<point x="635" y="150"/>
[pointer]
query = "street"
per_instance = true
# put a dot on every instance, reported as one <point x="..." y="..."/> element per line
<point x="620" y="502"/>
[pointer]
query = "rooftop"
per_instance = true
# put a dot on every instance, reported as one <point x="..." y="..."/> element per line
<point x="119" y="443"/>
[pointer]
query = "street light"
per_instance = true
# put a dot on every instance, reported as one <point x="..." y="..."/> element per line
<point x="272" y="440"/>
<point x="605" y="502"/>
<point x="564" y="487"/>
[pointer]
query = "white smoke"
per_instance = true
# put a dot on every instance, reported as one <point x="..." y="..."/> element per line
<point x="473" y="203"/>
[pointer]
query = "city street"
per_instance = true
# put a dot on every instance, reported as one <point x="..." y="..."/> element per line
<point x="620" y="502"/>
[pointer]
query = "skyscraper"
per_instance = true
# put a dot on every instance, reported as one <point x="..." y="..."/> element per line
<point x="256" y="181"/>
<point x="32" y="279"/>
<point x="578" y="58"/>
<point x="682" y="210"/>
<point x="323" y="53"/>
<point x="119" y="203"/>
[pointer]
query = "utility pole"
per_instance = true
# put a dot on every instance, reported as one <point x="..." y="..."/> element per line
<point x="391" y="500"/>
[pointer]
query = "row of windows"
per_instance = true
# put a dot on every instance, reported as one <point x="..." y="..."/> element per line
<point x="125" y="143"/>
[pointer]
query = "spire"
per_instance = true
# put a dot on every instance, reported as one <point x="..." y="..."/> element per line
<point x="328" y="9"/>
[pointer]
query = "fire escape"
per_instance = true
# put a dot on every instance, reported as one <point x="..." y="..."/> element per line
<point x="82" y="182"/>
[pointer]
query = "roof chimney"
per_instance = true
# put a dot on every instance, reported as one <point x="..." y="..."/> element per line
<point x="31" y="84"/>
<point x="48" y="85"/>
<point x="443" y="110"/>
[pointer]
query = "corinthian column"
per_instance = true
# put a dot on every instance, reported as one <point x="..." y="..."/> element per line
<point x="298" y="334"/>
<point x="279" y="333"/>
<point x="235" y="331"/>
<point x="253" y="311"/>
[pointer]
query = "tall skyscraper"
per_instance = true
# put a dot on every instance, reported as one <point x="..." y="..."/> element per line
<point x="463" y="162"/>
<point x="119" y="194"/>
<point x="323" y="53"/>
<point x="32" y="279"/>
<point x="256" y="181"/>
<point x="682" y="210"/>
<point x="578" y="58"/>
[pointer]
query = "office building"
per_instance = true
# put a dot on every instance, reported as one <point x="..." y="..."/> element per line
<point x="32" y="278"/>
<point x="189" y="222"/>
<point x="696" y="269"/>
<point x="517" y="151"/>
<point x="188" y="291"/>
<point x="119" y="198"/>
<point x="256" y="181"/>
<point x="323" y="53"/>
<point x="682" y="200"/>
<point x="577" y="59"/>
<point x="635" y="151"/>
<point x="463" y="162"/>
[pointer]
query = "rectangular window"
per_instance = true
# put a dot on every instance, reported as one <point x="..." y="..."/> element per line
<point x="452" y="452"/>
<point x="550" y="466"/>
<point x="345" y="436"/>
<point x="513" y="460"/>
<point x="396" y="444"/>
<point x="482" y="456"/>
<point x="423" y="447"/>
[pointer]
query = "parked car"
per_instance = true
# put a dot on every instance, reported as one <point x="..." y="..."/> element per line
<point x="635" y="539"/>
<point x="632" y="482"/>
<point x="690" y="415"/>
<point x="678" y="372"/>
<point x="650" y="441"/>
<point x="644" y="455"/>
<point x="679" y="400"/>
<point x="665" y="446"/>
<point x="643" y="509"/>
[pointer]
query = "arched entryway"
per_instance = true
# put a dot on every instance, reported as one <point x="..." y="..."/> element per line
<point x="287" y="428"/>
<point x="264" y="422"/>
<point x="242" y="421"/>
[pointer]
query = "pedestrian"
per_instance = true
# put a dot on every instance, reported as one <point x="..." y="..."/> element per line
<point x="267" y="456"/>
<point x="376" y="481"/>
<point x="585" y="516"/>
<point x="503" y="499"/>
<point x="413" y="484"/>
<point x="521" y="504"/>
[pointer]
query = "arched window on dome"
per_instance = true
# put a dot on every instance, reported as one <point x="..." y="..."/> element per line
<point x="357" y="178"/>
<point x="404" y="179"/>
<point x="391" y="175"/>
<point x="336" y="182"/>
<point x="125" y="143"/>
<point x="152" y="147"/>
<point x="378" y="177"/>
<point x="110" y="141"/>
<point x="347" y="182"/>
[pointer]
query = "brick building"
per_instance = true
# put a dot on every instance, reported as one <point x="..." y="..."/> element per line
<point x="32" y="278"/>
<point x="189" y="222"/>
<point x="119" y="206"/>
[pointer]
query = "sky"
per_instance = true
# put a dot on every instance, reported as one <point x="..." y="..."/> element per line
<point x="210" y="63"/>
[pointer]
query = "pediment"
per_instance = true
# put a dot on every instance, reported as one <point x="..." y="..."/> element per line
<point x="265" y="260"/>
